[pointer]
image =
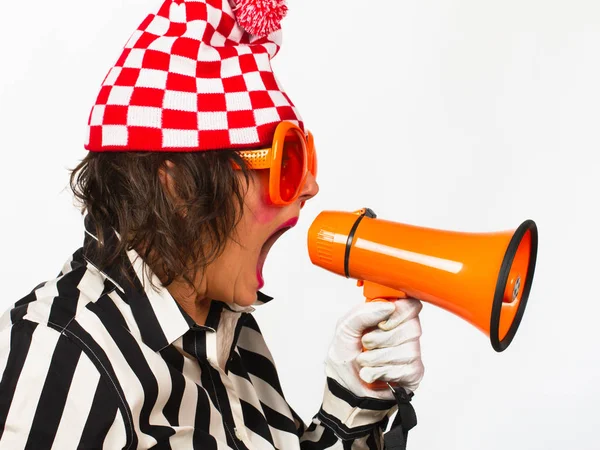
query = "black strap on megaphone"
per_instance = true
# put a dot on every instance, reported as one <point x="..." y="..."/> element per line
<point x="405" y="420"/>
<point x="365" y="212"/>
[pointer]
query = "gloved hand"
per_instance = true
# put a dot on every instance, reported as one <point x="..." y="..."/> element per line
<point x="393" y="350"/>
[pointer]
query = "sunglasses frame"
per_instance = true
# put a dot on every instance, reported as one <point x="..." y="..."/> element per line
<point x="271" y="158"/>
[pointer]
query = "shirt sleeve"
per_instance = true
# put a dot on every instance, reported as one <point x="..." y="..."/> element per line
<point x="358" y="423"/>
<point x="51" y="393"/>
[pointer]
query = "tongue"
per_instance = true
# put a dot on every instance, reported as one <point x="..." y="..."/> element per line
<point x="259" y="269"/>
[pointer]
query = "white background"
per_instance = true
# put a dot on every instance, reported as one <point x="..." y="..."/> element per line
<point x="456" y="114"/>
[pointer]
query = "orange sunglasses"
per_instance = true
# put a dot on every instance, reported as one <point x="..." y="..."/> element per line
<point x="289" y="159"/>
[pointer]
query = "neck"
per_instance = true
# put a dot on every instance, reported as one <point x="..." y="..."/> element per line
<point x="194" y="304"/>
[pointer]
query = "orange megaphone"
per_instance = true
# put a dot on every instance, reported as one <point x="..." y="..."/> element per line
<point x="484" y="278"/>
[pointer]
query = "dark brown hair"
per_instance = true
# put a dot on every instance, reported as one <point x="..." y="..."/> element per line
<point x="123" y="191"/>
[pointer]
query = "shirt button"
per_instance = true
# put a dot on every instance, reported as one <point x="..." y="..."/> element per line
<point x="238" y="434"/>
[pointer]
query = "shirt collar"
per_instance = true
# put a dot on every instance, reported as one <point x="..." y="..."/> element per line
<point x="160" y="319"/>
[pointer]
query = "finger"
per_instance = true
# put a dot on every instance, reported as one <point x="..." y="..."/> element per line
<point x="405" y="309"/>
<point x="405" y="332"/>
<point x="366" y="315"/>
<point x="407" y="375"/>
<point x="393" y="356"/>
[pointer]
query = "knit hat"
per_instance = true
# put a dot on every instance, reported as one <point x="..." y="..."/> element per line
<point x="191" y="78"/>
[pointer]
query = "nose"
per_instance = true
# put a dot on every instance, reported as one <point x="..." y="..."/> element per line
<point x="309" y="190"/>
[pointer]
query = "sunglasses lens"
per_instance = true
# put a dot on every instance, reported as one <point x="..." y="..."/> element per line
<point x="292" y="165"/>
<point x="312" y="166"/>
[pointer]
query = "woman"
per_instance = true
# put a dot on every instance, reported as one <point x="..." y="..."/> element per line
<point x="198" y="163"/>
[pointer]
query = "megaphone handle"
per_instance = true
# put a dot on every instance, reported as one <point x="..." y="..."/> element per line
<point x="377" y="292"/>
<point x="373" y="291"/>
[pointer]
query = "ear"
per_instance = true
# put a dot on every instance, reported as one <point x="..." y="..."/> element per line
<point x="167" y="179"/>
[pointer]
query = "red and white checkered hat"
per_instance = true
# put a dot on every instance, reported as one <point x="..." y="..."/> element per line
<point x="191" y="78"/>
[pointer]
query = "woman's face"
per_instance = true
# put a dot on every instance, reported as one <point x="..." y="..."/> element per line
<point x="237" y="274"/>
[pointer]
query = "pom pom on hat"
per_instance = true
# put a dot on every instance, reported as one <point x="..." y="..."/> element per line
<point x="260" y="17"/>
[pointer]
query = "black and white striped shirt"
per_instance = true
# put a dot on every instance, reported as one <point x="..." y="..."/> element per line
<point x="88" y="362"/>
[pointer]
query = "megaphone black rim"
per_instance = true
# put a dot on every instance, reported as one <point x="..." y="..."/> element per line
<point x="498" y="344"/>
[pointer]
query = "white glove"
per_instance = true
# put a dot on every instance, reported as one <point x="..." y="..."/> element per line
<point x="393" y="350"/>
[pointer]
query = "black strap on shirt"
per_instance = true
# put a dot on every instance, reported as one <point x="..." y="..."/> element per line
<point x="406" y="418"/>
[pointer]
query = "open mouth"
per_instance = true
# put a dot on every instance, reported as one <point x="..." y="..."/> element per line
<point x="267" y="246"/>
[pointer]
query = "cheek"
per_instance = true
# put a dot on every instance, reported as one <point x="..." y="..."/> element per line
<point x="265" y="214"/>
<point x="263" y="210"/>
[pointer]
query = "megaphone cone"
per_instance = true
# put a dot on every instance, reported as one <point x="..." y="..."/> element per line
<point x="484" y="278"/>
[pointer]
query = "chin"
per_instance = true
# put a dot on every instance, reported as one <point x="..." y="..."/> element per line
<point x="247" y="298"/>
